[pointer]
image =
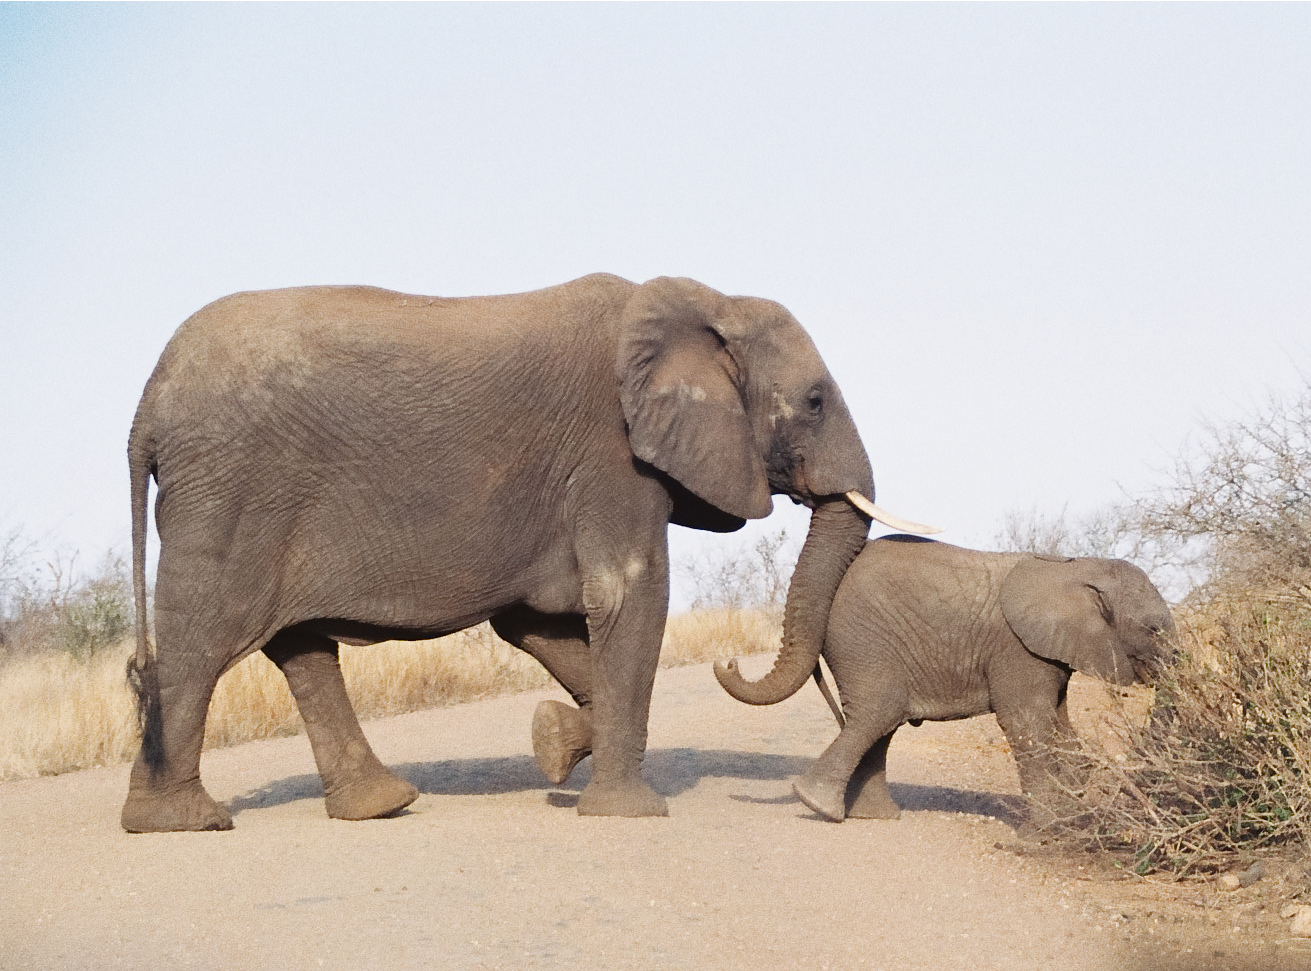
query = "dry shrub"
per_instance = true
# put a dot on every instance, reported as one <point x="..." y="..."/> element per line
<point x="59" y="713"/>
<point x="58" y="607"/>
<point x="1222" y="767"/>
<point x="1242" y="504"/>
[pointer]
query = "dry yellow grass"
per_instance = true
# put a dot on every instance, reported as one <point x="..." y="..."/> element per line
<point x="58" y="714"/>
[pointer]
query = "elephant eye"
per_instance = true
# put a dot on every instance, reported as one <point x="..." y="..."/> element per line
<point x="815" y="403"/>
<point x="1104" y="606"/>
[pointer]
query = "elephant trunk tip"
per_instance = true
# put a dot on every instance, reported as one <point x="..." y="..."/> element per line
<point x="730" y="679"/>
<point x="766" y="691"/>
<point x="726" y="670"/>
<point x="1151" y="670"/>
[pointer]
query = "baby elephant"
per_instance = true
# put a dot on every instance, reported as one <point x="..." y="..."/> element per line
<point x="922" y="630"/>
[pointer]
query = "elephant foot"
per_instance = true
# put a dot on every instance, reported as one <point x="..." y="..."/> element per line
<point x="562" y="737"/>
<point x="873" y="802"/>
<point x="630" y="799"/>
<point x="187" y="808"/>
<point x="373" y="797"/>
<point x="824" y="797"/>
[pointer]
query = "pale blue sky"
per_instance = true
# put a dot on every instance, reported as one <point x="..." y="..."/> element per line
<point x="1036" y="244"/>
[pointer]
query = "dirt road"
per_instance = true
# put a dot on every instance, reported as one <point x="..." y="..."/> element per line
<point x="492" y="868"/>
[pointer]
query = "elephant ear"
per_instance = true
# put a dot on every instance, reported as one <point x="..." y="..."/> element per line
<point x="679" y="385"/>
<point x="1060" y="610"/>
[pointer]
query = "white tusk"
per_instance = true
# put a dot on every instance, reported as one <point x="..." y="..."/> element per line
<point x="887" y="519"/>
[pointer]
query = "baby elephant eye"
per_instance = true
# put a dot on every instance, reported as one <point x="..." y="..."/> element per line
<point x="1103" y="605"/>
<point x="815" y="403"/>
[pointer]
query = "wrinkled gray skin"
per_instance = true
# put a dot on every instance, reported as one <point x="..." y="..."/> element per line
<point x="926" y="631"/>
<point x="347" y="464"/>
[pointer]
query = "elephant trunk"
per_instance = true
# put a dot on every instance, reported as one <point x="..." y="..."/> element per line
<point x="837" y="534"/>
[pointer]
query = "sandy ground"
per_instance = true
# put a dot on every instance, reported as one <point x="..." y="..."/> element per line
<point x="492" y="868"/>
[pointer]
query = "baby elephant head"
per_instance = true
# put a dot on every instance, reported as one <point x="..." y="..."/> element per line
<point x="1100" y="617"/>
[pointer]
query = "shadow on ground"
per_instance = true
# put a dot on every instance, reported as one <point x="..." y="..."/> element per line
<point x="1009" y="809"/>
<point x="671" y="772"/>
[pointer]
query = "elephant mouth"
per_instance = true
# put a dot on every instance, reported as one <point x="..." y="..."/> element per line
<point x="1149" y="663"/>
<point x="786" y="473"/>
<point x="1148" y="670"/>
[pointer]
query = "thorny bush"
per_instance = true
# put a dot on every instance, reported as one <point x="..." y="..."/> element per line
<point x="1221" y="768"/>
<point x="56" y="608"/>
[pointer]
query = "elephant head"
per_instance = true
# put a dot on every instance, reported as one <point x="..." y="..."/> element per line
<point x="728" y="397"/>
<point x="1101" y="617"/>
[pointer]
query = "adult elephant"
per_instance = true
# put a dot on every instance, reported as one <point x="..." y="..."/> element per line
<point x="349" y="464"/>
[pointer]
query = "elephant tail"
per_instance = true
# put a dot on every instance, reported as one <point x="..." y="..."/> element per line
<point x="828" y="696"/>
<point x="142" y="675"/>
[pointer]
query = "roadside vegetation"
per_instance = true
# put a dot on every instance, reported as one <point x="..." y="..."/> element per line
<point x="1218" y="770"/>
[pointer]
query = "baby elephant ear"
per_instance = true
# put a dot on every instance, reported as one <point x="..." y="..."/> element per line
<point x="680" y="391"/>
<point x="1059" y="611"/>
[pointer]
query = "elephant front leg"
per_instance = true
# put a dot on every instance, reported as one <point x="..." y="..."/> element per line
<point x="1034" y="740"/>
<point x="355" y="784"/>
<point x="1073" y="767"/>
<point x="626" y="620"/>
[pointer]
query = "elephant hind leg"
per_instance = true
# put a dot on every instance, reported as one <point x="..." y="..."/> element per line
<point x="165" y="793"/>
<point x="355" y="784"/>
<point x="867" y="792"/>
<point x="186" y="807"/>
<point x="825" y="784"/>
<point x="562" y="736"/>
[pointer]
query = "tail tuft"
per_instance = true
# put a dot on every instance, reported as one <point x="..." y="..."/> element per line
<point x="144" y="682"/>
